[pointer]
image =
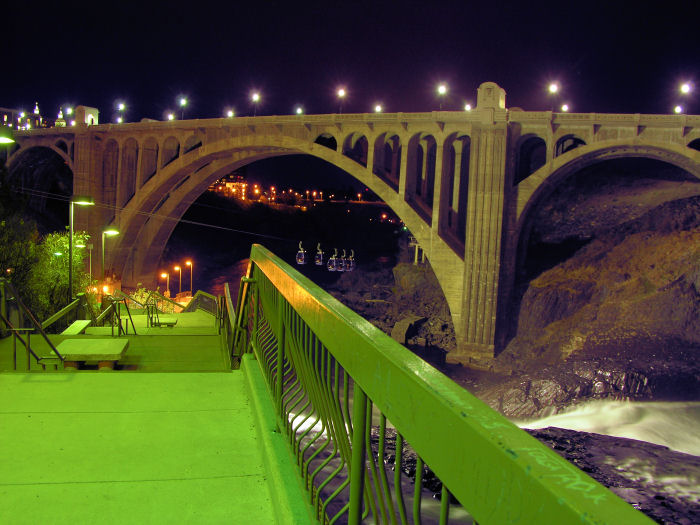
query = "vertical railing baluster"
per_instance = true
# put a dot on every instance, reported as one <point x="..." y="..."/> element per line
<point x="417" y="490"/>
<point x="280" y="354"/>
<point x="357" y="464"/>
<point x="382" y="470"/>
<point x="444" y="505"/>
<point x="398" y="457"/>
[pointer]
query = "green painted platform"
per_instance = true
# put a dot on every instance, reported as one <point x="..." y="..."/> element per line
<point x="122" y="447"/>
<point x="129" y="448"/>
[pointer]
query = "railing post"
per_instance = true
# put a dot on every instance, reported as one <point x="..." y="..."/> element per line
<point x="281" y="341"/>
<point x="357" y="462"/>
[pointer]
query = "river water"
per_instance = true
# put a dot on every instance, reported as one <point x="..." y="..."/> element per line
<point x="672" y="424"/>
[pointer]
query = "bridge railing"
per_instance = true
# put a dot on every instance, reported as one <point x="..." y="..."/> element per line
<point x="365" y="418"/>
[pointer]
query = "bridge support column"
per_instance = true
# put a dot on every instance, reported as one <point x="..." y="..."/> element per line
<point x="484" y="230"/>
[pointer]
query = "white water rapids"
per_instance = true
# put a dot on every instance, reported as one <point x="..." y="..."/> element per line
<point x="672" y="424"/>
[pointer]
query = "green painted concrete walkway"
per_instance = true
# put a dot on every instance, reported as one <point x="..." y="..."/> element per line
<point x="129" y="448"/>
<point x="106" y="447"/>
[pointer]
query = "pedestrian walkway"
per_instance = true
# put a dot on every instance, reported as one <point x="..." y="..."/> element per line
<point x="89" y="447"/>
<point x="107" y="447"/>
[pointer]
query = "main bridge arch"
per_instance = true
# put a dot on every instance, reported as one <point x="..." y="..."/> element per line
<point x="533" y="190"/>
<point x="150" y="216"/>
<point x="543" y="181"/>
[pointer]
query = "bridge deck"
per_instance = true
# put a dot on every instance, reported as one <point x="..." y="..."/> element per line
<point x="120" y="447"/>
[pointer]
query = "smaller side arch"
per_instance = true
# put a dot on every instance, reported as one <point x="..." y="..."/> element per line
<point x="387" y="159"/>
<point x="356" y="147"/>
<point x="531" y="156"/>
<point x="327" y="140"/>
<point x="567" y="143"/>
<point x="171" y="151"/>
<point x="149" y="160"/>
<point x="192" y="143"/>
<point x="694" y="144"/>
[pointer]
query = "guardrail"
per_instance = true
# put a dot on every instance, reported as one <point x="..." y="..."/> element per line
<point x="355" y="405"/>
<point x="24" y="313"/>
<point x="203" y="301"/>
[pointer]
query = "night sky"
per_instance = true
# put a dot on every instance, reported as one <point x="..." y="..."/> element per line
<point x="608" y="56"/>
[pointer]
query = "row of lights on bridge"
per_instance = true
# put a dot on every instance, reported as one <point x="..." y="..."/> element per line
<point x="553" y="88"/>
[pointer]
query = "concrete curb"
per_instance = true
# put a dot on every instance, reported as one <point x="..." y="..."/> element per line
<point x="285" y="487"/>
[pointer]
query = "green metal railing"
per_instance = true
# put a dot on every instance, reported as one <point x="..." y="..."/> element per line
<point x="203" y="301"/>
<point x="364" y="417"/>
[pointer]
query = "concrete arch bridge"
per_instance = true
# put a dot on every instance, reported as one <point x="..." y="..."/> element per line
<point x="464" y="183"/>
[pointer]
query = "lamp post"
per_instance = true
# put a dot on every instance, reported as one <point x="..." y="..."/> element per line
<point x="179" y="269"/>
<point x="341" y="95"/>
<point x="166" y="276"/>
<point x="80" y="201"/>
<point x="255" y="97"/>
<point x="191" y="265"/>
<point x="106" y="233"/>
<point x="183" y="103"/>
<point x="441" y="91"/>
<point x="553" y="90"/>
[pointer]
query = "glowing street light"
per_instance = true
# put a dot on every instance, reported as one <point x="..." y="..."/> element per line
<point x="686" y="87"/>
<point x="121" y="106"/>
<point x="69" y="110"/>
<point x="120" y="120"/>
<point x="183" y="103"/>
<point x="442" y="91"/>
<point x="342" y="93"/>
<point x="255" y="97"/>
<point x="166" y="276"/>
<point x="553" y="88"/>
<point x="378" y="108"/>
<point x="678" y="109"/>
<point x="179" y="269"/>
<point x="299" y="110"/>
<point x="106" y="233"/>
<point x="80" y="201"/>
<point x="230" y="113"/>
<point x="191" y="265"/>
<point x="171" y="116"/>
<point x="467" y="107"/>
<point x="565" y="108"/>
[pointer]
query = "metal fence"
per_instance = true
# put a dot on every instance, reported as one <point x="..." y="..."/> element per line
<point x="380" y="436"/>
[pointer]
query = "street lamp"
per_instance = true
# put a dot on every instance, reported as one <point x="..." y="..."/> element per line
<point x="378" y="108"/>
<point x="106" y="233"/>
<point x="178" y="269"/>
<point x="442" y="91"/>
<point x="685" y="88"/>
<point x="191" y="265"/>
<point x="167" y="283"/>
<point x="255" y="97"/>
<point x="341" y="95"/>
<point x="553" y="88"/>
<point x="80" y="201"/>
<point x="183" y="103"/>
<point x="299" y="110"/>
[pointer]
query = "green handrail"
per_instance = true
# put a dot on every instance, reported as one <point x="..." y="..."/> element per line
<point x="338" y="384"/>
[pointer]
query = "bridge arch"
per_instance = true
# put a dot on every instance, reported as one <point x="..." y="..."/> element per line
<point x="387" y="158"/>
<point x="531" y="155"/>
<point x="171" y="151"/>
<point x="694" y="144"/>
<point x="420" y="173"/>
<point x="173" y="189"/>
<point x="327" y="140"/>
<point x="567" y="143"/>
<point x="455" y="188"/>
<point x="126" y="184"/>
<point x="21" y="151"/>
<point x="356" y="147"/>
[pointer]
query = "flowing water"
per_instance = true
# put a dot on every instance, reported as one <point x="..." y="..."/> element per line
<point x="672" y="424"/>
